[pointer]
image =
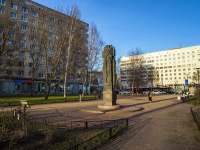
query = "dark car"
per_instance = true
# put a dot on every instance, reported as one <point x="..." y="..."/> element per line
<point x="170" y="92"/>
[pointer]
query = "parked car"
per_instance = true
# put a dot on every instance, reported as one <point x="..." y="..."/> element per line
<point x="156" y="92"/>
<point x="145" y="92"/>
<point x="170" y="92"/>
<point x="124" y="92"/>
<point x="163" y="92"/>
<point x="178" y="92"/>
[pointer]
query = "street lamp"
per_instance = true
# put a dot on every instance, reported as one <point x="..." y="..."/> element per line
<point x="162" y="79"/>
<point x="198" y="83"/>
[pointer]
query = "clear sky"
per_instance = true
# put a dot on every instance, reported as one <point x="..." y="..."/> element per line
<point x="151" y="25"/>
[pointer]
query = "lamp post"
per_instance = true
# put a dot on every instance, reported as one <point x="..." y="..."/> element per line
<point x="162" y="79"/>
<point x="198" y="83"/>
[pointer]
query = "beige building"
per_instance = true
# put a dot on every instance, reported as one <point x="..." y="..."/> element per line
<point x="173" y="66"/>
<point x="25" y="23"/>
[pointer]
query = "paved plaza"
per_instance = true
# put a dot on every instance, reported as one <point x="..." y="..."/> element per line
<point x="166" y="123"/>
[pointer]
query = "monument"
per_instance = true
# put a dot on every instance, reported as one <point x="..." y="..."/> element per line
<point x="109" y="78"/>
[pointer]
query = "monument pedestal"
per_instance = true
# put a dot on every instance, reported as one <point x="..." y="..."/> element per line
<point x="109" y="99"/>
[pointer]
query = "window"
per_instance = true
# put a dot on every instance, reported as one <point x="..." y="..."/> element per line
<point x="10" y="52"/>
<point x="33" y="21"/>
<point x="49" y="59"/>
<point x="51" y="35"/>
<point x="31" y="56"/>
<point x="51" y="19"/>
<point x="23" y="36"/>
<point x="23" y="27"/>
<point x="1" y="11"/>
<point x="10" y="43"/>
<point x="30" y="65"/>
<point x="41" y="57"/>
<point x="41" y="66"/>
<point x="24" y="10"/>
<point x="20" y="73"/>
<point x="33" y="30"/>
<point x="21" y="63"/>
<point x="30" y="73"/>
<point x="21" y="54"/>
<point x="13" y="15"/>
<point x="51" y="27"/>
<point x="22" y="45"/>
<point x="41" y="50"/>
<point x="34" y="13"/>
<point x="59" y="30"/>
<point x="11" y="34"/>
<point x="14" y="6"/>
<point x="24" y="18"/>
<point x="32" y="39"/>
<point x="8" y="72"/>
<point x="50" y="51"/>
<point x="32" y="47"/>
<point x="0" y="41"/>
<point x="41" y="75"/>
<point x="50" y="42"/>
<point x="13" y="25"/>
<point x="2" y="2"/>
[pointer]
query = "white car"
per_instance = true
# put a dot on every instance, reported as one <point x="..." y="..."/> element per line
<point x="145" y="92"/>
<point x="156" y="92"/>
<point x="124" y="92"/>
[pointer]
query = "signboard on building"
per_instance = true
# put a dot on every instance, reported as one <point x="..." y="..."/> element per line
<point x="100" y="80"/>
<point x="186" y="82"/>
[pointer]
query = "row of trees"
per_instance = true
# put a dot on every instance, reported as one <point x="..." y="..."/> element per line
<point x="60" y="49"/>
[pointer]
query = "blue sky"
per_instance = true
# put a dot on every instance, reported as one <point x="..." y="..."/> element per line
<point x="151" y="25"/>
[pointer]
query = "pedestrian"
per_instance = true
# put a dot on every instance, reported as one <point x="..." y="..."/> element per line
<point x="4" y="91"/>
<point x="80" y="95"/>
<point x="150" y="96"/>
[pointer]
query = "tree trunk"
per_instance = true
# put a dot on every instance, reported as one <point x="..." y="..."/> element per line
<point x="47" y="89"/>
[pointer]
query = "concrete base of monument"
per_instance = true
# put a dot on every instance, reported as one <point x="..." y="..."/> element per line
<point x="102" y="109"/>
<point x="109" y="107"/>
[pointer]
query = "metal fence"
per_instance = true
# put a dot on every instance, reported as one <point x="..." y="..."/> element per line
<point x="73" y="125"/>
<point x="101" y="138"/>
<point x="196" y="115"/>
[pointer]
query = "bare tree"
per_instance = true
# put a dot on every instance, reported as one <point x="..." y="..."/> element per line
<point x="152" y="76"/>
<point x="9" y="45"/>
<point x="95" y="44"/>
<point x="72" y="27"/>
<point x="118" y="74"/>
<point x="50" y="51"/>
<point x="136" y="70"/>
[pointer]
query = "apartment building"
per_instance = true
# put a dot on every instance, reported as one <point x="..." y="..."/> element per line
<point x="27" y="30"/>
<point x="173" y="66"/>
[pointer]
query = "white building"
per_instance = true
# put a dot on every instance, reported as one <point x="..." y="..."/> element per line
<point x="174" y="66"/>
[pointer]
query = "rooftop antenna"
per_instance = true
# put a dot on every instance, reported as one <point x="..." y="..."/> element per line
<point x="180" y="45"/>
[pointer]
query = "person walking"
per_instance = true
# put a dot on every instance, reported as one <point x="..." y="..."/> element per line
<point x="150" y="96"/>
<point x="80" y="95"/>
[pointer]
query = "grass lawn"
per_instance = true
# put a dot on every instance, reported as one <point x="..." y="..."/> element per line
<point x="15" y="100"/>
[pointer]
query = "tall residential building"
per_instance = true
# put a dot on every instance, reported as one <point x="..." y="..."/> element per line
<point x="173" y="66"/>
<point x="33" y="39"/>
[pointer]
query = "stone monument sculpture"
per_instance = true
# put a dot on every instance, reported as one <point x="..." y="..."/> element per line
<point x="109" y="76"/>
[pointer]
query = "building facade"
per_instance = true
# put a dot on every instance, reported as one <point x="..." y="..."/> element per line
<point x="173" y="67"/>
<point x="32" y="45"/>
